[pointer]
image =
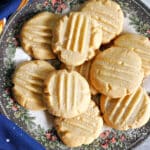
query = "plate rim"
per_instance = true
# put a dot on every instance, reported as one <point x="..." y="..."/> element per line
<point x="12" y="17"/>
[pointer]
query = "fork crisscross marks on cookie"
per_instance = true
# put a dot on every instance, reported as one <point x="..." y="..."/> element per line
<point x="108" y="14"/>
<point x="76" y="32"/>
<point x="64" y="83"/>
<point x="127" y="112"/>
<point x="138" y="44"/>
<point x="66" y="94"/>
<point x="36" y="35"/>
<point x="76" y="38"/>
<point x="28" y="82"/>
<point x="116" y="72"/>
<point x="82" y="129"/>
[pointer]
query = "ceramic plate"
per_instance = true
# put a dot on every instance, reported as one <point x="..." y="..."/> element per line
<point x="38" y="124"/>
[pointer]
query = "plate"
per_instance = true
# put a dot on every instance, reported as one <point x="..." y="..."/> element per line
<point x="38" y="124"/>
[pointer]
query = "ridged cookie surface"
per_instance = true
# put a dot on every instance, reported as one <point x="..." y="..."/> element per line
<point x="28" y="81"/>
<point x="116" y="72"/>
<point x="108" y="14"/>
<point x="76" y="38"/>
<point x="36" y="35"/>
<point x="67" y="94"/>
<point x="82" y="129"/>
<point x="131" y="111"/>
<point x="84" y="70"/>
<point x="139" y="44"/>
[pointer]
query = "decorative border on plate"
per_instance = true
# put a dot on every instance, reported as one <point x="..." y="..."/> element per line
<point x="48" y="138"/>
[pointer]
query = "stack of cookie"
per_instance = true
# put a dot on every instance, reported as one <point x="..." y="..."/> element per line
<point x="116" y="73"/>
<point x="125" y="104"/>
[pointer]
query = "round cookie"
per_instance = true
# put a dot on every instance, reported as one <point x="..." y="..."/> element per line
<point x="67" y="94"/>
<point x="131" y="111"/>
<point x="28" y="80"/>
<point x="76" y="38"/>
<point x="108" y="14"/>
<point x="82" y="129"/>
<point x="116" y="72"/>
<point x="84" y="70"/>
<point x="138" y="44"/>
<point x="36" y="35"/>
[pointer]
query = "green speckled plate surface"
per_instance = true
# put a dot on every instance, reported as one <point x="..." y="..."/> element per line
<point x="38" y="124"/>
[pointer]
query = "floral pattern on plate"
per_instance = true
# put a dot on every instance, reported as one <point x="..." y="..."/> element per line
<point x="137" y="20"/>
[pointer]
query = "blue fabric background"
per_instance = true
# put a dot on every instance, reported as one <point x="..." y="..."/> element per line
<point x="14" y="138"/>
<point x="11" y="136"/>
<point x="7" y="7"/>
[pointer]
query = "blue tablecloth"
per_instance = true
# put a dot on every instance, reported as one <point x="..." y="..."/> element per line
<point x="7" y="7"/>
<point x="14" y="138"/>
<point x="11" y="136"/>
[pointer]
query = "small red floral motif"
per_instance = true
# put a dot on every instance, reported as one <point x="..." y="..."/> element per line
<point x="48" y="136"/>
<point x="12" y="100"/>
<point x="17" y="36"/>
<point x="122" y="138"/>
<point x="105" y="134"/>
<point x="15" y="41"/>
<point x="113" y="140"/>
<point x="105" y="145"/>
<point x="46" y="3"/>
<point x="148" y="31"/>
<point x="53" y="138"/>
<point x="54" y="2"/>
<point x="102" y="135"/>
<point x="14" y="108"/>
<point x="7" y="91"/>
<point x="61" y="7"/>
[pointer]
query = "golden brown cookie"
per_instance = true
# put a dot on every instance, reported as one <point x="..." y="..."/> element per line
<point x="76" y="38"/>
<point x="82" y="129"/>
<point x="139" y="44"/>
<point x="84" y="70"/>
<point x="110" y="16"/>
<point x="67" y="94"/>
<point x="28" y="80"/>
<point x="36" y="35"/>
<point x="116" y="72"/>
<point x="131" y="111"/>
